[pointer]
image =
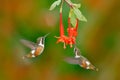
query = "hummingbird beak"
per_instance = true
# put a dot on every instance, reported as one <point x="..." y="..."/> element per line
<point x="46" y="35"/>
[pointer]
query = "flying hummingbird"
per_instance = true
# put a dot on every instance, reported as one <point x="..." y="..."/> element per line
<point x="36" y="48"/>
<point x="80" y="60"/>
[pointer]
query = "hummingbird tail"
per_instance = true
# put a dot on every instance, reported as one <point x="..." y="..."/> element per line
<point x="94" y="68"/>
<point x="27" y="56"/>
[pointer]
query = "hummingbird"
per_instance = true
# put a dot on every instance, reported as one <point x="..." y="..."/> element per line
<point x="80" y="60"/>
<point x="36" y="48"/>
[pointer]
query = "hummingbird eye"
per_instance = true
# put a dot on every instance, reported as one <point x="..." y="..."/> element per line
<point x="75" y="50"/>
<point x="42" y="39"/>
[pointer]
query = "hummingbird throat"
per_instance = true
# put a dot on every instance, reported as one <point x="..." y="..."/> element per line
<point x="41" y="42"/>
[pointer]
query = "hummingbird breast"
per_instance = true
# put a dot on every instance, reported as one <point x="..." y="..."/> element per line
<point x="38" y="50"/>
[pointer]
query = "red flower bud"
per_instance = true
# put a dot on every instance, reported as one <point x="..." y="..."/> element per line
<point x="61" y="26"/>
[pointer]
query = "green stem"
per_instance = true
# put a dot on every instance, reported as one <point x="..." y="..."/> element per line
<point x="76" y="27"/>
<point x="61" y="6"/>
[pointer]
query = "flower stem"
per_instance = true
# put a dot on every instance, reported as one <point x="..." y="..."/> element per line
<point x="76" y="27"/>
<point x="61" y="6"/>
<point x="69" y="25"/>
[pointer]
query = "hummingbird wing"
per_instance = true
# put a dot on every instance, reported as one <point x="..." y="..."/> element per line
<point x="71" y="60"/>
<point x="83" y="58"/>
<point x="28" y="44"/>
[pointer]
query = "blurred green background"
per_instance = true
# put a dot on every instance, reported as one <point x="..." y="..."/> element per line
<point x="98" y="39"/>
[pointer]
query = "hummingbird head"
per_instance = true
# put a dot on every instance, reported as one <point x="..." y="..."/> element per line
<point x="41" y="40"/>
<point x="77" y="52"/>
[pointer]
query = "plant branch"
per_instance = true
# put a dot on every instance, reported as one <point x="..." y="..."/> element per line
<point x="69" y="3"/>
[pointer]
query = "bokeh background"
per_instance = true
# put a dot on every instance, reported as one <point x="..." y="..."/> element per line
<point x="98" y="39"/>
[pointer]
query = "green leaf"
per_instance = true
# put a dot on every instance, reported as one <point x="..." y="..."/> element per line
<point x="72" y="18"/>
<point x="79" y="14"/>
<point x="69" y="1"/>
<point x="56" y="3"/>
<point x="77" y="5"/>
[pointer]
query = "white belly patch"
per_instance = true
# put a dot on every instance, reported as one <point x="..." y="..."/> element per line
<point x="33" y="51"/>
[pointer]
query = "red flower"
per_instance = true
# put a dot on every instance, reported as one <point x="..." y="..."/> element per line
<point x="71" y="41"/>
<point x="72" y="33"/>
<point x="62" y="37"/>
